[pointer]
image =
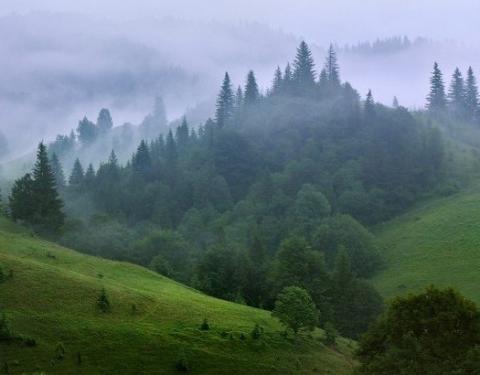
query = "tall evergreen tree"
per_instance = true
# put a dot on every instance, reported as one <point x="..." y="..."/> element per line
<point x="436" y="100"/>
<point x="89" y="176"/>
<point x="239" y="98"/>
<point x="251" y="89"/>
<point x="369" y="107"/>
<point x="77" y="175"/>
<point x="141" y="161"/>
<point x="277" y="81"/>
<point x="104" y="121"/>
<point x="182" y="134"/>
<point x="57" y="171"/>
<point x="331" y="68"/>
<point x="323" y="80"/>
<point x="304" y="68"/>
<point x="456" y="95"/>
<point x="48" y="215"/>
<point x="287" y="79"/>
<point x="21" y="199"/>
<point x="471" y="95"/>
<point x="225" y="102"/>
<point x="170" y="148"/>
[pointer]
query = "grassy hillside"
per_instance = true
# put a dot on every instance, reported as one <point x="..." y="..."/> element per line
<point x="51" y="298"/>
<point x="438" y="243"/>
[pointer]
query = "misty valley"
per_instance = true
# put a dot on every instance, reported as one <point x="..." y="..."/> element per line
<point x="292" y="225"/>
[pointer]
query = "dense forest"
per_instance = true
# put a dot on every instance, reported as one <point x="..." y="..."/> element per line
<point x="278" y="189"/>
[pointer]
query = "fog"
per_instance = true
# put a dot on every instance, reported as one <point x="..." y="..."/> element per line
<point x="63" y="60"/>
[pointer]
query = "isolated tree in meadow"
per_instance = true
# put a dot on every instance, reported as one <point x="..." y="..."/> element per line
<point x="456" y="94"/>
<point x="471" y="95"/>
<point x="295" y="309"/>
<point x="304" y="68"/>
<point x="104" y="121"/>
<point x="251" y="89"/>
<point x="48" y="213"/>
<point x="436" y="99"/>
<point x="434" y="332"/>
<point x="331" y="68"/>
<point x="225" y="102"/>
<point x="77" y="175"/>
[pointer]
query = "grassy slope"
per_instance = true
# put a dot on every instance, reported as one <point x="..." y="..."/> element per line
<point x="51" y="298"/>
<point x="438" y="243"/>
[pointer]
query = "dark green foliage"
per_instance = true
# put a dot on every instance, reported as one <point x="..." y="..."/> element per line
<point x="34" y="198"/>
<point x="5" y="332"/>
<point x="331" y="71"/>
<point x="257" y="332"/>
<point x="141" y="161"/>
<point x="471" y="96"/>
<point x="60" y="352"/>
<point x="303" y="70"/>
<point x="277" y="82"/>
<point x="225" y="102"/>
<point x="103" y="303"/>
<point x="182" y="364"/>
<point x="330" y="334"/>
<point x="104" y="121"/>
<point x="436" y="100"/>
<point x="205" y="326"/>
<point x="295" y="309"/>
<point x="435" y="332"/>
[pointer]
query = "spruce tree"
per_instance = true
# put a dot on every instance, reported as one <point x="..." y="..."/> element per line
<point x="395" y="103"/>
<point x="471" y="96"/>
<point x="456" y="95"/>
<point x="436" y="100"/>
<point x="21" y="199"/>
<point x="369" y="107"/>
<point x="57" y="171"/>
<point x="77" y="175"/>
<point x="182" y="134"/>
<point x="104" y="121"/>
<point x="225" y="102"/>
<point x="304" y="69"/>
<point x="277" y="81"/>
<point x="142" y="161"/>
<point x="89" y="176"/>
<point x="331" y="68"/>
<point x="287" y="79"/>
<point x="87" y="131"/>
<point x="239" y="99"/>
<point x="48" y="215"/>
<point x="323" y="80"/>
<point x="251" y="89"/>
<point x="170" y="148"/>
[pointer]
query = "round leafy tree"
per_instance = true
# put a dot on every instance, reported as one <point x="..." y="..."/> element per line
<point x="295" y="309"/>
<point x="436" y="332"/>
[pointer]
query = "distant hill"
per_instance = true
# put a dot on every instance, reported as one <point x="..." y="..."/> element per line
<point x="153" y="322"/>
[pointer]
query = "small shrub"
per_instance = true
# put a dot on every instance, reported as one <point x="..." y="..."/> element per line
<point x="28" y="341"/>
<point x="133" y="309"/>
<point x="256" y="332"/>
<point x="204" y="326"/>
<point x="182" y="364"/>
<point x="330" y="334"/>
<point x="79" y="359"/>
<point x="60" y="351"/>
<point x="103" y="303"/>
<point x="224" y="334"/>
<point x="51" y="256"/>
<point x="5" y="332"/>
<point x="242" y="336"/>
<point x="3" y="275"/>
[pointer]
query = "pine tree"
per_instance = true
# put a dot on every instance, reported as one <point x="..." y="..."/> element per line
<point x="304" y="69"/>
<point x="395" y="103"/>
<point x="182" y="134"/>
<point x="48" y="215"/>
<point x="369" y="107"/>
<point x="104" y="121"/>
<point x="225" y="102"/>
<point x="323" y="80"/>
<point x="471" y="96"/>
<point x="287" y="79"/>
<point x="277" y="82"/>
<point x="142" y="161"/>
<point x="89" y="176"/>
<point x="251" y="89"/>
<point x="21" y="200"/>
<point x="239" y="98"/>
<point x="436" y="100"/>
<point x="77" y="175"/>
<point x="456" y="95"/>
<point x="331" y="68"/>
<point x="57" y="171"/>
<point x="170" y="148"/>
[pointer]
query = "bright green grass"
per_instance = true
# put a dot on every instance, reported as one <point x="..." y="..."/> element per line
<point x="438" y="243"/>
<point x="51" y="298"/>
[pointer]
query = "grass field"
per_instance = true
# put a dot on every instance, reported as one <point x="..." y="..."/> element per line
<point x="52" y="294"/>
<point x="438" y="243"/>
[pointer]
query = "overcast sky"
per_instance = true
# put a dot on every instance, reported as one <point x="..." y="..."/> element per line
<point x="320" y="21"/>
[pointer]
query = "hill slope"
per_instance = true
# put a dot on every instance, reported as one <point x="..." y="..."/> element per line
<point x="438" y="243"/>
<point x="51" y="298"/>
